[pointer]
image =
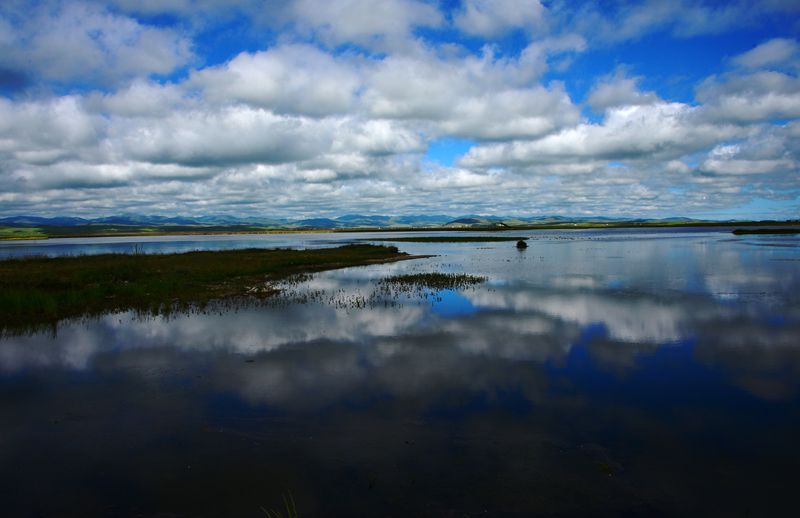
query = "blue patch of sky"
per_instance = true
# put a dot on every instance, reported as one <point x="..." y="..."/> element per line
<point x="162" y="20"/>
<point x="222" y="42"/>
<point x="668" y="65"/>
<point x="446" y="151"/>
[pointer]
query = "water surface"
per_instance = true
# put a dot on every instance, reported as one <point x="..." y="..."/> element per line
<point x="597" y="372"/>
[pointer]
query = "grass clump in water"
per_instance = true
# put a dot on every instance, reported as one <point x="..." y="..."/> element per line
<point x="434" y="281"/>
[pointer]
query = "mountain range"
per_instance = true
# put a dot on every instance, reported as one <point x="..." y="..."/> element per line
<point x="341" y="222"/>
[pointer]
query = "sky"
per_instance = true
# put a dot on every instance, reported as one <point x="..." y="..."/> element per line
<point x="319" y="108"/>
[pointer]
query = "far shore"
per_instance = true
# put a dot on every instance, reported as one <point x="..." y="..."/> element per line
<point x="44" y="232"/>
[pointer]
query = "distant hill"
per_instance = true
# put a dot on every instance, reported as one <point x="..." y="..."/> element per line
<point x="134" y="223"/>
<point x="323" y="223"/>
<point x="35" y="221"/>
<point x="477" y="221"/>
<point x="139" y="220"/>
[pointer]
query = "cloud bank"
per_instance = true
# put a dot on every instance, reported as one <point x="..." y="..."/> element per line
<point x="309" y="108"/>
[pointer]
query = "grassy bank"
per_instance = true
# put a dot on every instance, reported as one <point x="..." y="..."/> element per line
<point x="12" y="233"/>
<point x="40" y="291"/>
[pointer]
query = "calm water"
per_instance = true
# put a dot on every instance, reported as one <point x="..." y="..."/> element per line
<point x="595" y="373"/>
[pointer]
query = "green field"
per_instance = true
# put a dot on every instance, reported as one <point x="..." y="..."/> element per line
<point x="41" y="291"/>
<point x="21" y="233"/>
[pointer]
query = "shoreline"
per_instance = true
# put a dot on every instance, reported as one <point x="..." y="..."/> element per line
<point x="47" y="233"/>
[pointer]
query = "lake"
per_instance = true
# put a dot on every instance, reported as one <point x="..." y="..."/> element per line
<point x="598" y="372"/>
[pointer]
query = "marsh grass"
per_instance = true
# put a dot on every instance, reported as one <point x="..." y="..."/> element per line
<point x="41" y="291"/>
<point x="434" y="281"/>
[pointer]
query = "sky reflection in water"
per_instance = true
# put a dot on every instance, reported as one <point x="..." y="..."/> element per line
<point x="615" y="372"/>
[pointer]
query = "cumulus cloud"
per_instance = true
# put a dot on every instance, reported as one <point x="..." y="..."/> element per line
<point x="475" y="97"/>
<point x="41" y="132"/>
<point x="375" y="137"/>
<point x="231" y="135"/>
<point x="74" y="41"/>
<point x="490" y="18"/>
<point x="754" y="97"/>
<point x="771" y="150"/>
<point x="662" y="130"/>
<point x="337" y="22"/>
<point x="139" y="99"/>
<point x="773" y="52"/>
<point x="329" y="107"/>
<point x="298" y="79"/>
<point x="619" y="90"/>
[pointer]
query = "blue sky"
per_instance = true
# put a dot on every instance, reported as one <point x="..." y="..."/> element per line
<point x="320" y="108"/>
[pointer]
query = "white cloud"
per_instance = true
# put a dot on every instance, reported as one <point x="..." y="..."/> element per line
<point x="512" y="114"/>
<point x="490" y="18"/>
<point x="660" y="130"/>
<point x="85" y="42"/>
<point x="773" y="52"/>
<point x="229" y="135"/>
<point x="619" y="90"/>
<point x="333" y="111"/>
<point x="769" y="151"/>
<point x="45" y="131"/>
<point x="742" y="167"/>
<point x="297" y="79"/>
<point x="376" y="137"/>
<point x="363" y="22"/>
<point x="139" y="99"/>
<point x="481" y="98"/>
<point x="755" y="97"/>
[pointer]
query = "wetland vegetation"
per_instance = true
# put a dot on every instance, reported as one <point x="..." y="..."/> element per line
<point x="38" y="291"/>
<point x="435" y="281"/>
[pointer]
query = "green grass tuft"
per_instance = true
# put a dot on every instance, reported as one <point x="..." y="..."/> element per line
<point x="435" y="281"/>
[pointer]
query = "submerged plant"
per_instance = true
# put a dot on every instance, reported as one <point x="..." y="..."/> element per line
<point x="289" y="506"/>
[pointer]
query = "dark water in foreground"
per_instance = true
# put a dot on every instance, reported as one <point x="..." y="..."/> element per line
<point x="596" y="373"/>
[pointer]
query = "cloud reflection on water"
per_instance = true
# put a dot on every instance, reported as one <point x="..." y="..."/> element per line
<point x="342" y="346"/>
